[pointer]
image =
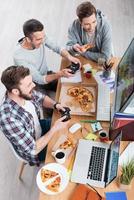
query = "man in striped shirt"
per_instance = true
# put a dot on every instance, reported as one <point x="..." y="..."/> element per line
<point x="20" y="117"/>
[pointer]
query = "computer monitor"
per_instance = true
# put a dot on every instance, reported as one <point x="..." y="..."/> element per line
<point x="124" y="83"/>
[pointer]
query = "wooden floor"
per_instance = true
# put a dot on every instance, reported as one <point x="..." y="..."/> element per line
<point x="56" y="16"/>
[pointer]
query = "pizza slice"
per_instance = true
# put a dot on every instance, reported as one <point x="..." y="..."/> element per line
<point x="67" y="143"/>
<point x="55" y="185"/>
<point x="47" y="174"/>
<point x="85" y="47"/>
<point x="73" y="91"/>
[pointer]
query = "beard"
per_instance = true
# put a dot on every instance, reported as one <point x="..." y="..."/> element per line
<point x="25" y="96"/>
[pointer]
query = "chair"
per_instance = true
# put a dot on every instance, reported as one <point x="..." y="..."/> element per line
<point x="23" y="162"/>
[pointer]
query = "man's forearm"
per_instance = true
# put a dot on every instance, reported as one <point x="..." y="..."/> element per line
<point x="43" y="141"/>
<point x="48" y="102"/>
<point x="65" y="54"/>
<point x="51" y="77"/>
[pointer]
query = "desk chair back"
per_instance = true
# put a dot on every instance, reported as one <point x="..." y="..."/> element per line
<point x="23" y="162"/>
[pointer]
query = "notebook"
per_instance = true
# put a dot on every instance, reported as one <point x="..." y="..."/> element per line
<point x="96" y="163"/>
<point x="116" y="196"/>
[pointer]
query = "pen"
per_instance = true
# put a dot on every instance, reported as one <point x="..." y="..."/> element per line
<point x="88" y="121"/>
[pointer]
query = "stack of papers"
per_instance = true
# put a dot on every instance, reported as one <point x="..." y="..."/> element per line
<point x="76" y="78"/>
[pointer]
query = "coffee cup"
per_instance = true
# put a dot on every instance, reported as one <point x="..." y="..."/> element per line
<point x="103" y="135"/>
<point x="59" y="156"/>
<point x="88" y="74"/>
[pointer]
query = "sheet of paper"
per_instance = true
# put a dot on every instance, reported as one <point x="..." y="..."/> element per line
<point x="91" y="136"/>
<point x="76" y="78"/>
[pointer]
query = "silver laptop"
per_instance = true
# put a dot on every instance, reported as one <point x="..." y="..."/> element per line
<point x="96" y="163"/>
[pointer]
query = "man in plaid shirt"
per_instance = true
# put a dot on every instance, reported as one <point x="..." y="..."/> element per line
<point x="19" y="115"/>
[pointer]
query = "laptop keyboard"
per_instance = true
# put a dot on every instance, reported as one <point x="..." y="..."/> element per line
<point x="95" y="170"/>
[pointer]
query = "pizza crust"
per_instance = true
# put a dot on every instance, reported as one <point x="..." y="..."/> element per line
<point x="55" y="185"/>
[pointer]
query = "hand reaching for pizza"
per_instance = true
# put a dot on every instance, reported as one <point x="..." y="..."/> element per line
<point x="83" y="48"/>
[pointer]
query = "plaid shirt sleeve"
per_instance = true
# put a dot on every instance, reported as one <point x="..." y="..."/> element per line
<point x="38" y="97"/>
<point x="19" y="136"/>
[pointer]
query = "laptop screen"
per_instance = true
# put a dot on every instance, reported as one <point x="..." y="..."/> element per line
<point x="114" y="157"/>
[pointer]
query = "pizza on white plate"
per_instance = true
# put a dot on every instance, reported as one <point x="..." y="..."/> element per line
<point x="47" y="174"/>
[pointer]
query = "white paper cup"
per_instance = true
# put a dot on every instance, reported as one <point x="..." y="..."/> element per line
<point x="103" y="135"/>
<point x="59" y="156"/>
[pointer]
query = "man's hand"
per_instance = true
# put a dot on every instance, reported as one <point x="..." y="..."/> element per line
<point x="83" y="48"/>
<point x="68" y="56"/>
<point x="65" y="73"/>
<point x="77" y="48"/>
<point x="74" y="60"/>
<point x="60" y="107"/>
<point x="59" y="124"/>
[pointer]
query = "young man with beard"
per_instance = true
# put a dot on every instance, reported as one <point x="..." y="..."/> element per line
<point x="20" y="117"/>
<point x="91" y="28"/>
<point x="30" y="52"/>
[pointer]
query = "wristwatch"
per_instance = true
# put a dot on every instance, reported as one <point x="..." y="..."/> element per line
<point x="55" y="105"/>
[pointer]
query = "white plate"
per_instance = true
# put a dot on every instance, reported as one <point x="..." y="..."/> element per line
<point x="57" y="168"/>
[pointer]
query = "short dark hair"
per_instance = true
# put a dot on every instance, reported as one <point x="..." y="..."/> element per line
<point x="85" y="9"/>
<point x="31" y="26"/>
<point x="12" y="76"/>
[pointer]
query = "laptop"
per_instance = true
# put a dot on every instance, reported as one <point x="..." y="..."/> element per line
<point x="96" y="163"/>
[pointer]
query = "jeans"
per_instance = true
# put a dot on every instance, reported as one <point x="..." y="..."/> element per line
<point x="45" y="126"/>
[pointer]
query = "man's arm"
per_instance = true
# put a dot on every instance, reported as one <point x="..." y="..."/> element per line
<point x="43" y="79"/>
<point x="62" y="73"/>
<point x="62" y="51"/>
<point x="16" y="132"/>
<point x="43" y="141"/>
<point x="68" y="56"/>
<point x="74" y="37"/>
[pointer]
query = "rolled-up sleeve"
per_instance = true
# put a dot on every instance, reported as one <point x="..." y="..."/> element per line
<point x="53" y="45"/>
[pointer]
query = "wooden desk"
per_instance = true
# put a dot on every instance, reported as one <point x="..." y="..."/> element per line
<point x="65" y="195"/>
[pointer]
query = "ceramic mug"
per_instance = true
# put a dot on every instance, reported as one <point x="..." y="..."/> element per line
<point x="59" y="156"/>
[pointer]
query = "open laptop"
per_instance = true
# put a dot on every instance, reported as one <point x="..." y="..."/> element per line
<point x="96" y="163"/>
